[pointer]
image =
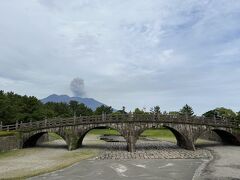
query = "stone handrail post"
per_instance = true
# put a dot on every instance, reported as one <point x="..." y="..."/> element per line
<point x="103" y="116"/>
<point x="0" y="125"/>
<point x="214" y="119"/>
<point x="130" y="116"/>
<point x="30" y="123"/>
<point x="16" y="127"/>
<point x="158" y="116"/>
<point x="45" y="122"/>
<point x="80" y="119"/>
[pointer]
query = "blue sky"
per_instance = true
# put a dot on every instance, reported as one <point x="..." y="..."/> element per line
<point x="136" y="53"/>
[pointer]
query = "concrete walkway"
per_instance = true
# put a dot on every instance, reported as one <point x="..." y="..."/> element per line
<point x="225" y="164"/>
<point x="127" y="170"/>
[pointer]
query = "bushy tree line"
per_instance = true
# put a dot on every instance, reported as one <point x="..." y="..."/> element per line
<point x="187" y="110"/>
<point x="14" y="107"/>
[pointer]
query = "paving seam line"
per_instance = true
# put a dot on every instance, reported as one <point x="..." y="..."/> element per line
<point x="201" y="168"/>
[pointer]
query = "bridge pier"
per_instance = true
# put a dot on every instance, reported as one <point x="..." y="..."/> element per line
<point x="188" y="144"/>
<point x="72" y="144"/>
<point x="131" y="144"/>
<point x="71" y="138"/>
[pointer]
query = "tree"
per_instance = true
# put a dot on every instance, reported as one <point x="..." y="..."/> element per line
<point x="122" y="111"/>
<point x="83" y="110"/>
<point x="221" y="113"/>
<point x="103" y="109"/>
<point x="138" y="111"/>
<point x="157" y="110"/>
<point x="210" y="114"/>
<point x="238" y="117"/>
<point x="73" y="105"/>
<point x="14" y="107"/>
<point x="186" y="111"/>
<point x="59" y="109"/>
<point x="174" y="113"/>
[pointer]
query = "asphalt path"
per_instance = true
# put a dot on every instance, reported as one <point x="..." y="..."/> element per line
<point x="166" y="169"/>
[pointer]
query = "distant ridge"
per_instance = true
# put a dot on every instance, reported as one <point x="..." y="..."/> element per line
<point x="89" y="102"/>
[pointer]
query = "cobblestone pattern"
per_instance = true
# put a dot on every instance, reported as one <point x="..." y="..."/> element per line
<point x="150" y="150"/>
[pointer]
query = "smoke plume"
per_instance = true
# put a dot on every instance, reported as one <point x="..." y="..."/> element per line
<point x="77" y="87"/>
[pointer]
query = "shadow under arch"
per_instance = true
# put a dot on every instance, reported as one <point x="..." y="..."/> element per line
<point x="227" y="137"/>
<point x="33" y="140"/>
<point x="83" y="135"/>
<point x="181" y="139"/>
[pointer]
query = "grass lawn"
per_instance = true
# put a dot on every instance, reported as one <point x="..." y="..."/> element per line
<point x="163" y="132"/>
<point x="7" y="133"/>
<point x="104" y="131"/>
<point x="9" y="153"/>
<point x="53" y="136"/>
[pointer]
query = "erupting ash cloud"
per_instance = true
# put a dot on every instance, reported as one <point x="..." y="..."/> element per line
<point x="77" y="87"/>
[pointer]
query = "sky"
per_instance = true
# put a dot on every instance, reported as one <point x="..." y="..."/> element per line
<point x="132" y="53"/>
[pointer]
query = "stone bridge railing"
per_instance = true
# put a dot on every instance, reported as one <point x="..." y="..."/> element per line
<point x="126" y="118"/>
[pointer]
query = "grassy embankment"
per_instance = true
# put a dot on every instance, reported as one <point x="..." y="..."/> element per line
<point x="7" y="133"/>
<point x="45" y="159"/>
<point x="61" y="161"/>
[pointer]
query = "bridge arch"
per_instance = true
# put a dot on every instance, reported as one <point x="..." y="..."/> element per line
<point x="83" y="134"/>
<point x="31" y="139"/>
<point x="181" y="139"/>
<point x="225" y="135"/>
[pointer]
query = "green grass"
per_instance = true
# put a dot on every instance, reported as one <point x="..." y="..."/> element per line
<point x="162" y="134"/>
<point x="53" y="136"/>
<point x="158" y="133"/>
<point x="7" y="133"/>
<point x="104" y="131"/>
<point x="9" y="153"/>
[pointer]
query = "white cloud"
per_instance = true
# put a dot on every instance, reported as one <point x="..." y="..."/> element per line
<point x="175" y="51"/>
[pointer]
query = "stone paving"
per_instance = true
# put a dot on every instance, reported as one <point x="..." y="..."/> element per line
<point x="150" y="150"/>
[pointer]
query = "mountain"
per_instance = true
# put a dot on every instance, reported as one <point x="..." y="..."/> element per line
<point x="89" y="102"/>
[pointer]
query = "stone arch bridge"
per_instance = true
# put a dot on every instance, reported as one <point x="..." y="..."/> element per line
<point x="73" y="130"/>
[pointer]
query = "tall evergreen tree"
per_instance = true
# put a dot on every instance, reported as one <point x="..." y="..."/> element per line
<point x="186" y="111"/>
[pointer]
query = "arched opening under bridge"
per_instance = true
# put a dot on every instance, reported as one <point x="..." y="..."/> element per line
<point x="45" y="140"/>
<point x="97" y="137"/>
<point x="216" y="137"/>
<point x="157" y="138"/>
